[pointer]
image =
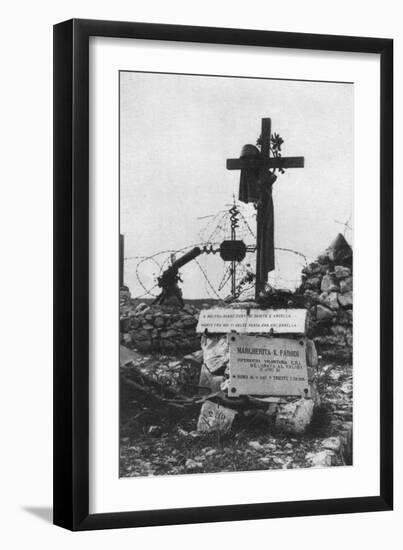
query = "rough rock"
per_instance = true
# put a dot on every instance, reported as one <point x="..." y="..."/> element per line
<point x="256" y="445"/>
<point x="329" y="283"/>
<point x="330" y="305"/>
<point x="141" y="308"/>
<point x="124" y="296"/>
<point x="322" y="459"/>
<point x="311" y="354"/>
<point x="265" y="460"/>
<point x="159" y="322"/>
<point x="195" y="358"/>
<point x="332" y="443"/>
<point x="313" y="282"/>
<point x="159" y="328"/>
<point x="191" y="464"/>
<point x="339" y="251"/>
<point x="330" y="300"/>
<point x="294" y="417"/>
<point x="346" y="285"/>
<point x="323" y="258"/>
<point x="215" y="418"/>
<point x="346" y="300"/>
<point x="215" y="352"/>
<point x="346" y="435"/>
<point x="188" y="308"/>
<point x="342" y="272"/>
<point x="209" y="381"/>
<point x="323" y="313"/>
<point x="311" y="297"/>
<point x="127" y="355"/>
<point x="344" y="316"/>
<point x="312" y="268"/>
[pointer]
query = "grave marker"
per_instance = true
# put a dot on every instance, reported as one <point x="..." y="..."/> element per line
<point x="263" y="321"/>
<point x="256" y="186"/>
<point x="267" y="366"/>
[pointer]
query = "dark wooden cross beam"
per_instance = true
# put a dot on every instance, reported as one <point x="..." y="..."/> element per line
<point x="259" y="165"/>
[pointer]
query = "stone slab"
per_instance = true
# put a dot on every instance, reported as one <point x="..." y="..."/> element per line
<point x="267" y="366"/>
<point x="260" y="321"/>
<point x="215" y="418"/>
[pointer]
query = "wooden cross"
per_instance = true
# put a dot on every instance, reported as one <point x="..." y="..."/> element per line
<point x="261" y="165"/>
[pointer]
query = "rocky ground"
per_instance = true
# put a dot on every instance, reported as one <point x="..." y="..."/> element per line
<point x="155" y="441"/>
<point x="162" y="439"/>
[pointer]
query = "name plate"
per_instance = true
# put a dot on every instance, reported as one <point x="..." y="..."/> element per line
<point x="267" y="366"/>
<point x="278" y="321"/>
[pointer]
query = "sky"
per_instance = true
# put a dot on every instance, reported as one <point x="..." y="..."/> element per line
<point x="176" y="132"/>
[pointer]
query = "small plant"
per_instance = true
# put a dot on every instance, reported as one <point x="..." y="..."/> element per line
<point x="276" y="141"/>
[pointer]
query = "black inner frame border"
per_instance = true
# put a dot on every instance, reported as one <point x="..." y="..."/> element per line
<point x="72" y="285"/>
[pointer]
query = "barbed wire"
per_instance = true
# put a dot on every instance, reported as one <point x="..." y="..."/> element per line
<point x="207" y="279"/>
<point x="208" y="249"/>
<point x="210" y="245"/>
<point x="244" y="268"/>
<point x="346" y="225"/>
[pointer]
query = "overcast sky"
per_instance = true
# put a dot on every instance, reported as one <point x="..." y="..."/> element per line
<point x="176" y="132"/>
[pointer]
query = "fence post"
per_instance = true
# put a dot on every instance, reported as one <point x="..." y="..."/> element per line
<point x="121" y="259"/>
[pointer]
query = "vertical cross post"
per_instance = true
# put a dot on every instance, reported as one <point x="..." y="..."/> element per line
<point x="121" y="260"/>
<point x="233" y="263"/>
<point x="262" y="206"/>
<point x="257" y="166"/>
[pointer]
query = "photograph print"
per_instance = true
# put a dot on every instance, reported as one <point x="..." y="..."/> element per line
<point x="236" y="274"/>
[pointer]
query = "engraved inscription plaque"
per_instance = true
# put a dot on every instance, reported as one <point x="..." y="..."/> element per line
<point x="267" y="366"/>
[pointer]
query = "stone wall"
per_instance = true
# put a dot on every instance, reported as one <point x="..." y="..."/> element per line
<point x="327" y="290"/>
<point x="159" y="328"/>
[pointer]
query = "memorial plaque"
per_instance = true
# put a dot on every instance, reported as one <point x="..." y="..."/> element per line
<point x="267" y="366"/>
<point x="278" y="321"/>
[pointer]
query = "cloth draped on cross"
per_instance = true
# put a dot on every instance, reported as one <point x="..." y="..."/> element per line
<point x="256" y="186"/>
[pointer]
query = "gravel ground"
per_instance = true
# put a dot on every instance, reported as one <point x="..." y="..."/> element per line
<point x="154" y="442"/>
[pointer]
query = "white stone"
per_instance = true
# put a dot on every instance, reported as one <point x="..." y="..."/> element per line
<point x="256" y="445"/>
<point x="211" y="452"/>
<point x="329" y="299"/>
<point x="215" y="352"/>
<point x="141" y="308"/>
<point x="208" y="380"/>
<point x="346" y="299"/>
<point x="192" y="464"/>
<point x="329" y="284"/>
<point x="342" y="272"/>
<point x="346" y="285"/>
<point x="332" y="443"/>
<point x="215" y="418"/>
<point x="195" y="359"/>
<point x="127" y="355"/>
<point x="323" y="459"/>
<point x="311" y="354"/>
<point x="265" y="460"/>
<point x="323" y="313"/>
<point x="347" y="387"/>
<point x="296" y="416"/>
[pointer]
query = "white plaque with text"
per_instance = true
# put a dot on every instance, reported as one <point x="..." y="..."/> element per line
<point x="278" y="321"/>
<point x="267" y="366"/>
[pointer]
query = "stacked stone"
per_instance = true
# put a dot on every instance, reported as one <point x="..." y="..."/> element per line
<point x="160" y="328"/>
<point x="327" y="289"/>
<point x="124" y="296"/>
<point x="287" y="414"/>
